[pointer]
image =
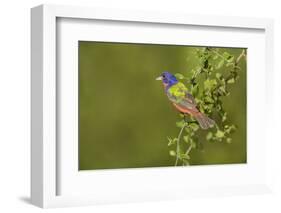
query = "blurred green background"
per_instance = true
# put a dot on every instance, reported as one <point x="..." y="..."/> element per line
<point x="125" y="117"/>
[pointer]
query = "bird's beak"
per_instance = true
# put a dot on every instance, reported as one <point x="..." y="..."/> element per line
<point x="159" y="78"/>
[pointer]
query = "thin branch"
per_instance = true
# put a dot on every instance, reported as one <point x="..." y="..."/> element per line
<point x="188" y="150"/>
<point x="235" y="64"/>
<point x="196" y="73"/>
<point x="217" y="53"/>
<point x="242" y="54"/>
<point x="178" y="144"/>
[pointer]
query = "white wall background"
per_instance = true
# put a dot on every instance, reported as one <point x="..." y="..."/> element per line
<point x="15" y="105"/>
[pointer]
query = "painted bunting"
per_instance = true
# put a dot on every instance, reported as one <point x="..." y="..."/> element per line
<point x="184" y="102"/>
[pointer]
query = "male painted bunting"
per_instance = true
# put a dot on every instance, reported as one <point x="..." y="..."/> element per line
<point x="183" y="101"/>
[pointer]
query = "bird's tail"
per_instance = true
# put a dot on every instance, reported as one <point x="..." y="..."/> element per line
<point x="204" y="121"/>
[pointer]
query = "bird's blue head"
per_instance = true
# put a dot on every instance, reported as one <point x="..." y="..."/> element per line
<point x="168" y="79"/>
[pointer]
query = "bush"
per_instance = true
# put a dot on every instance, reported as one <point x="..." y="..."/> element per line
<point x="208" y="85"/>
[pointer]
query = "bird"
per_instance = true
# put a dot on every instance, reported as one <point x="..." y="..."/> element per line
<point x="182" y="100"/>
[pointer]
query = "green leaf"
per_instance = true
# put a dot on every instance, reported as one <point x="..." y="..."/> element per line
<point x="209" y="136"/>
<point x="185" y="138"/>
<point x="219" y="134"/>
<point x="194" y="126"/>
<point x="230" y="129"/>
<point x="229" y="140"/>
<point x="222" y="90"/>
<point x="179" y="76"/>
<point x="219" y="107"/>
<point x="193" y="144"/>
<point x="201" y="107"/>
<point x="230" y="58"/>
<point x="209" y="84"/>
<point x="184" y="156"/>
<point x="187" y="129"/>
<point x="172" y="153"/>
<point x="218" y="75"/>
<point x="224" y="117"/>
<point x="180" y="124"/>
<point x="231" y="81"/>
<point x="198" y="101"/>
<point x="220" y="64"/>
<point x="208" y="99"/>
<point x="195" y="90"/>
<point x="229" y="64"/>
<point x="226" y="55"/>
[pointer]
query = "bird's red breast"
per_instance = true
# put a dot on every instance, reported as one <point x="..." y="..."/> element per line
<point x="186" y="110"/>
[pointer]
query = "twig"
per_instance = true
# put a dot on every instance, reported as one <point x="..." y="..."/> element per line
<point x="242" y="54"/>
<point x="178" y="144"/>
<point x="217" y="53"/>
<point x="188" y="150"/>
<point x="196" y="73"/>
<point x="235" y="65"/>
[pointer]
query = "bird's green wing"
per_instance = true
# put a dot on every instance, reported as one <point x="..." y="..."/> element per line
<point x="179" y="94"/>
<point x="178" y="91"/>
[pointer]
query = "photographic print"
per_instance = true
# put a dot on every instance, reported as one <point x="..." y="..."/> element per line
<point x="156" y="105"/>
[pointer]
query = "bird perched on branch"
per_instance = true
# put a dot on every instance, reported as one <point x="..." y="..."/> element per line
<point x="184" y="102"/>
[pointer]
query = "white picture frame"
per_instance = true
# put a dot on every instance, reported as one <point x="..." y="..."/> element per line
<point x="45" y="157"/>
